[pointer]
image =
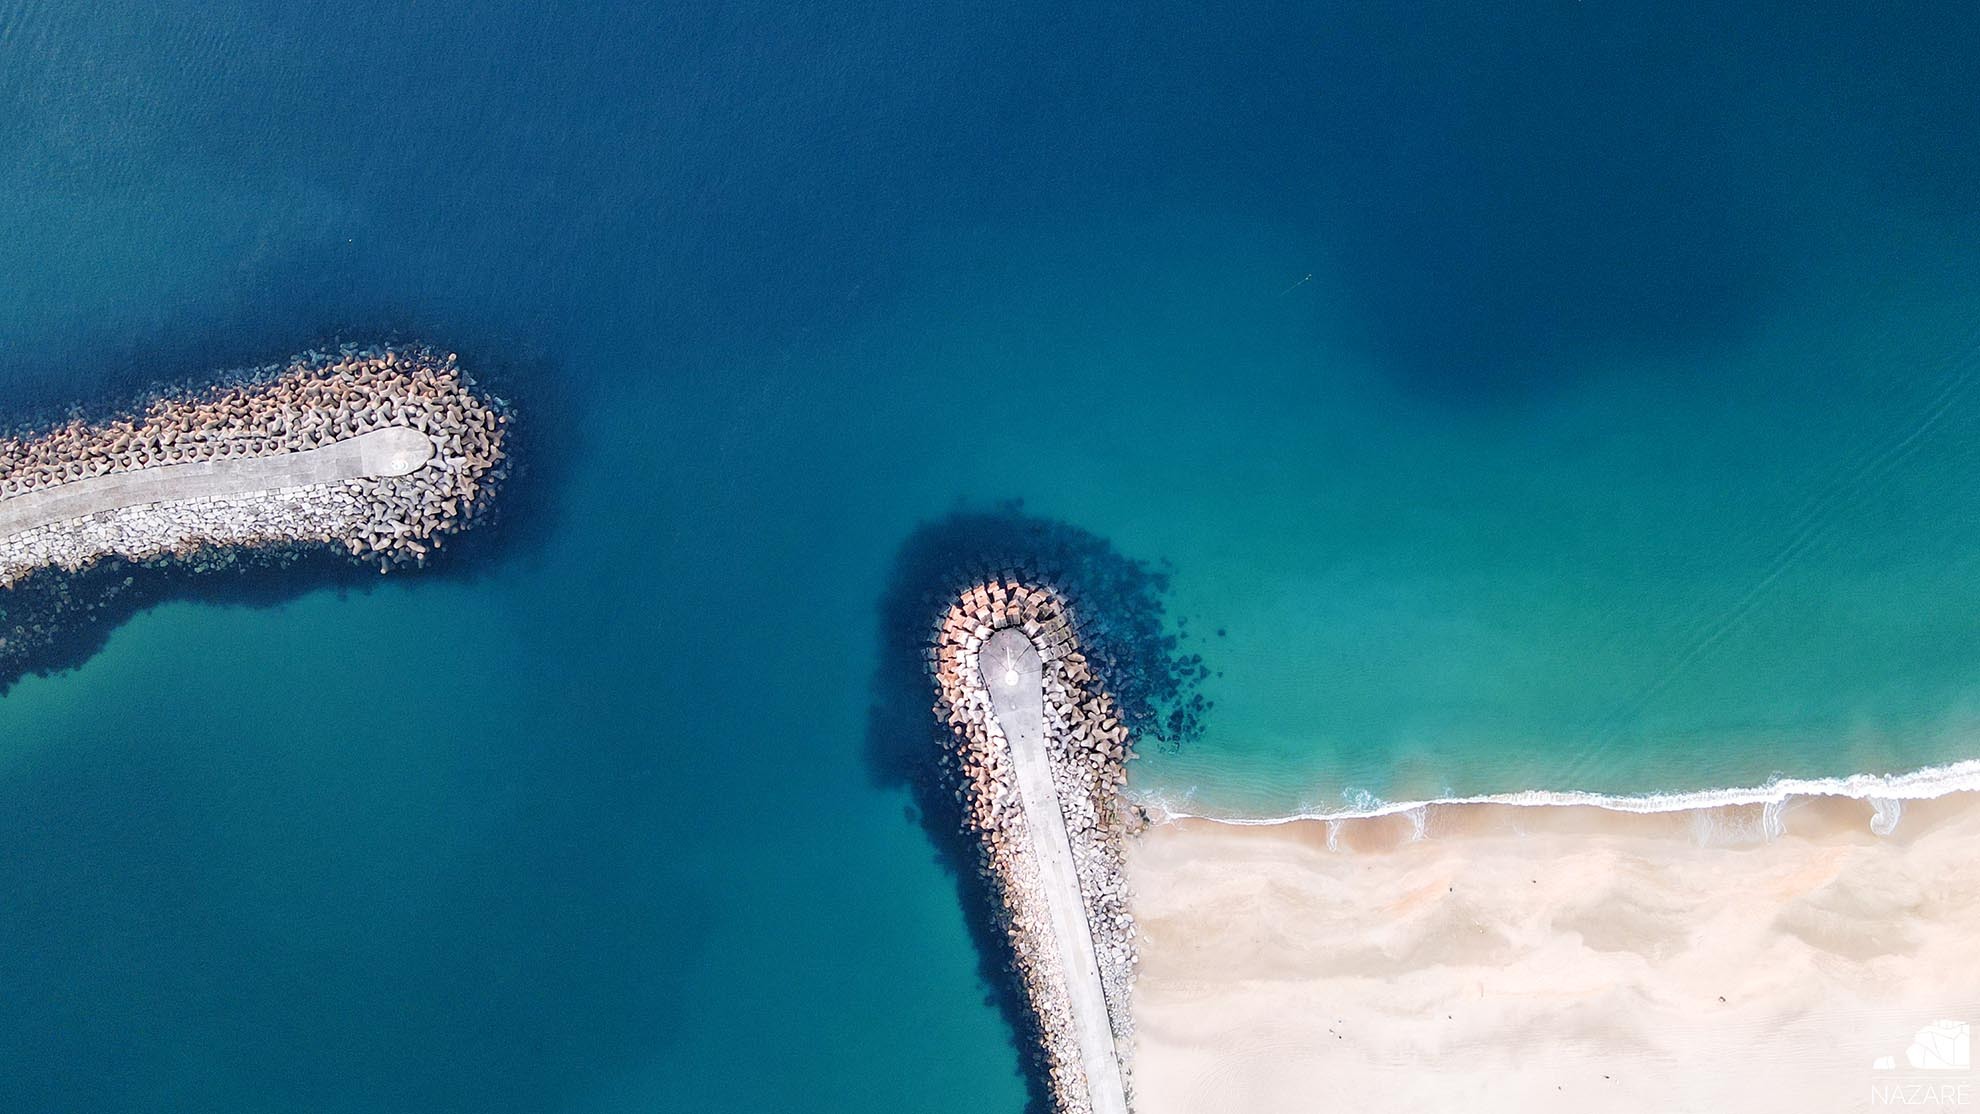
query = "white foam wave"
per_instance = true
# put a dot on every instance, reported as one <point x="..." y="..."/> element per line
<point x="1886" y="814"/>
<point x="1771" y="824"/>
<point x="1886" y="792"/>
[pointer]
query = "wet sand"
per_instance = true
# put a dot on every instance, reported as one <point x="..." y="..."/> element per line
<point x="1554" y="958"/>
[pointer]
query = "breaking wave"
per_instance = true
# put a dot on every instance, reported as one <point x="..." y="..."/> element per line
<point x="1885" y="792"/>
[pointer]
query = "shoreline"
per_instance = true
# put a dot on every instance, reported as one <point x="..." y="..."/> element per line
<point x="1922" y="784"/>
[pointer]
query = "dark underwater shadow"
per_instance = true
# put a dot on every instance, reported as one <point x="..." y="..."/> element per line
<point x="53" y="620"/>
<point x="1119" y="604"/>
<point x="1514" y="201"/>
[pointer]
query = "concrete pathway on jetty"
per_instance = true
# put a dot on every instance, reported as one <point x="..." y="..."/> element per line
<point x="382" y="452"/>
<point x="1015" y="677"/>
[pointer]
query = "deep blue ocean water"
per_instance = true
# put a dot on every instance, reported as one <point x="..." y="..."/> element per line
<point x="1622" y="438"/>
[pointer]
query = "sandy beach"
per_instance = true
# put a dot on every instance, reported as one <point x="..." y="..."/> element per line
<point x="1557" y="958"/>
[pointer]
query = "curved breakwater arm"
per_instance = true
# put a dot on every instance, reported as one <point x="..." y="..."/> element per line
<point x="1038" y="758"/>
<point x="378" y="451"/>
<point x="1014" y="677"/>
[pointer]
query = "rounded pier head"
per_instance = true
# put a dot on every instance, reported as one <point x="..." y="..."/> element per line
<point x="1009" y="660"/>
<point x="394" y="451"/>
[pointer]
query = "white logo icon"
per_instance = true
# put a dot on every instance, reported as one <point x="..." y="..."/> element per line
<point x="1940" y="1046"/>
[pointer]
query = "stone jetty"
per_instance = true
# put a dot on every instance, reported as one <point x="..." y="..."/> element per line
<point x="975" y="646"/>
<point x="378" y="451"/>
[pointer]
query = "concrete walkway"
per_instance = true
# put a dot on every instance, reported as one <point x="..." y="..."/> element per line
<point x="1015" y="677"/>
<point x="382" y="452"/>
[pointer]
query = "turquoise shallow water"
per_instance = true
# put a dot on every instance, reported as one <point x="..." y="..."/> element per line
<point x="1674" y="573"/>
<point x="1621" y="441"/>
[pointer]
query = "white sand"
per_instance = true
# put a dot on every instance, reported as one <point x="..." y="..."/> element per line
<point x="1542" y="959"/>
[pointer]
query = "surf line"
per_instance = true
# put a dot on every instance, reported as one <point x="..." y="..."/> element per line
<point x="1884" y="793"/>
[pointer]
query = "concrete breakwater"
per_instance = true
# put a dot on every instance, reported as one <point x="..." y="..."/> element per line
<point x="1081" y="737"/>
<point x="379" y="451"/>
